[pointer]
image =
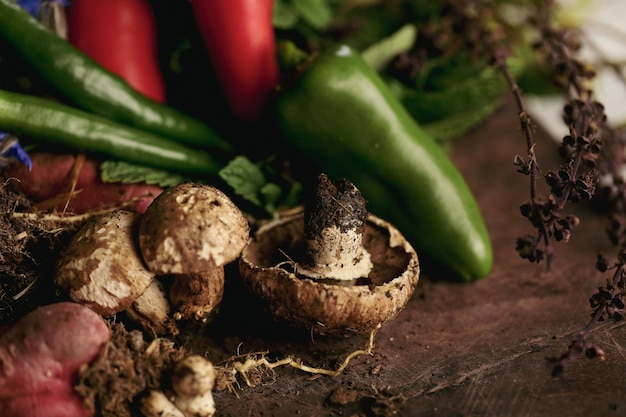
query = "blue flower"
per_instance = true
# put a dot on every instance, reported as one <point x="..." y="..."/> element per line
<point x="33" y="6"/>
<point x="10" y="148"/>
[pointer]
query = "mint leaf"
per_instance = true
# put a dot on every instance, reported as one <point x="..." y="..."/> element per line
<point x="248" y="180"/>
<point x="119" y="171"/>
<point x="245" y="178"/>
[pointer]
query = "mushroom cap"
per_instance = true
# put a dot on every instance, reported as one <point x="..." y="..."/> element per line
<point x="193" y="375"/>
<point x="101" y="266"/>
<point x="330" y="308"/>
<point x="191" y="228"/>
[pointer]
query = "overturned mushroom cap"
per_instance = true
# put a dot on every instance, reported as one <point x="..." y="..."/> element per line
<point x="330" y="307"/>
<point x="101" y="266"/>
<point x="191" y="228"/>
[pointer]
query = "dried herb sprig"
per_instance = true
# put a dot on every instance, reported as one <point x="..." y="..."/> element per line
<point x="613" y="185"/>
<point x="590" y="141"/>
<point x="606" y="303"/>
<point x="481" y="30"/>
<point x="584" y="116"/>
<point x="581" y="150"/>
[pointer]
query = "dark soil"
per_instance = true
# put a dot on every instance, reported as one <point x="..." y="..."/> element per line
<point x="28" y="250"/>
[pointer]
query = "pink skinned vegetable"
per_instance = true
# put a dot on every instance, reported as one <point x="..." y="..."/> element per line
<point x="50" y="177"/>
<point x="40" y="356"/>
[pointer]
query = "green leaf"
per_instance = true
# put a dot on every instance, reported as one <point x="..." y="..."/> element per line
<point x="124" y="172"/>
<point x="456" y="96"/>
<point x="271" y="194"/>
<point x="459" y="124"/>
<point x="317" y="13"/>
<point x="245" y="178"/>
<point x="284" y="15"/>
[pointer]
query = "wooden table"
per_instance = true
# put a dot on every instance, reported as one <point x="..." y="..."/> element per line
<point x="475" y="349"/>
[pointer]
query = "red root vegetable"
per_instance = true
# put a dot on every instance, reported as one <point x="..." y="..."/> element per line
<point x="40" y="357"/>
<point x="51" y="177"/>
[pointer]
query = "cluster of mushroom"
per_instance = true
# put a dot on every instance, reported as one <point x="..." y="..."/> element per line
<point x="333" y="269"/>
<point x="121" y="260"/>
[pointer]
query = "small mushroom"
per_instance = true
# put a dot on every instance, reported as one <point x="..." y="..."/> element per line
<point x="101" y="266"/>
<point x="193" y="379"/>
<point x="156" y="404"/>
<point x="334" y="269"/>
<point x="191" y="231"/>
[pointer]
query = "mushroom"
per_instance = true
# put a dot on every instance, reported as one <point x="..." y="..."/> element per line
<point x="101" y="266"/>
<point x="191" y="231"/>
<point x="197" y="296"/>
<point x="156" y="404"/>
<point x="151" y="310"/>
<point x="333" y="269"/>
<point x="193" y="379"/>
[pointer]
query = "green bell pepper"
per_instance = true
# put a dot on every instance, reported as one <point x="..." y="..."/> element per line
<point x="342" y="114"/>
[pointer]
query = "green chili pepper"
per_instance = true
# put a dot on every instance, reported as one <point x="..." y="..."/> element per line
<point x="50" y="121"/>
<point x="92" y="87"/>
<point x="342" y="114"/>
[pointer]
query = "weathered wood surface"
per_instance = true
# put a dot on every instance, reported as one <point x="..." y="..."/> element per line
<point x="474" y="349"/>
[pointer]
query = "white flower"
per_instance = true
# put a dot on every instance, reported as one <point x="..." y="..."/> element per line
<point x="604" y="42"/>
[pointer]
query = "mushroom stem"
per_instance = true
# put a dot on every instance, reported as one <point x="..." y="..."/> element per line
<point x="333" y="225"/>
<point x="197" y="296"/>
<point x="152" y="311"/>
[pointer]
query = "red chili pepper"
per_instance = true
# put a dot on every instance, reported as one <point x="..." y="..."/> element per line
<point x="121" y="36"/>
<point x="239" y="38"/>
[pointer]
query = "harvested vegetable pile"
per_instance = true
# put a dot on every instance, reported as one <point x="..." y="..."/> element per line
<point x="170" y="167"/>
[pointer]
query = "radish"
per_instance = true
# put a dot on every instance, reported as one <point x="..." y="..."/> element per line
<point x="40" y="356"/>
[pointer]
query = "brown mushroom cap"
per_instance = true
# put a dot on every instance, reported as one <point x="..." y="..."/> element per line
<point x="101" y="266"/>
<point x="326" y="307"/>
<point x="191" y="228"/>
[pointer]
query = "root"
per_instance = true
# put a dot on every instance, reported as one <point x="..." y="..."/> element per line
<point x="59" y="219"/>
<point x="255" y="367"/>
